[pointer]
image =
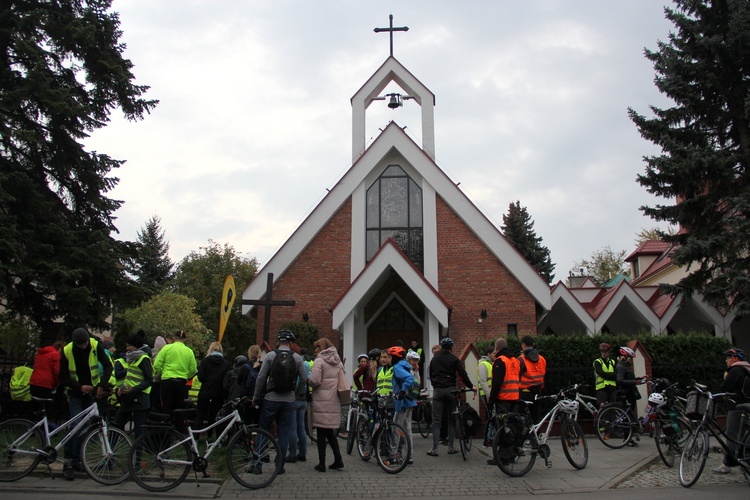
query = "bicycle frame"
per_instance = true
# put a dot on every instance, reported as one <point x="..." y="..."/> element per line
<point x="585" y="402"/>
<point x="709" y="423"/>
<point x="230" y="420"/>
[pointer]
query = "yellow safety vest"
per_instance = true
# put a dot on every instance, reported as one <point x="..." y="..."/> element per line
<point x="93" y="362"/>
<point x="194" y="389"/>
<point x="385" y="381"/>
<point x="134" y="376"/>
<point x="489" y="376"/>
<point x="608" y="366"/>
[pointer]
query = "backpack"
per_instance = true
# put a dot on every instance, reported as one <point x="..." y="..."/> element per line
<point x="19" y="384"/>
<point x="230" y="383"/>
<point x="282" y="377"/>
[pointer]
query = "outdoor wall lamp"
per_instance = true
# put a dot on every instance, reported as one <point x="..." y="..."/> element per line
<point x="482" y="315"/>
<point x="305" y="317"/>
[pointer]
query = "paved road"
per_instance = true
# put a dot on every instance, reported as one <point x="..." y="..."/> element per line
<point x="611" y="473"/>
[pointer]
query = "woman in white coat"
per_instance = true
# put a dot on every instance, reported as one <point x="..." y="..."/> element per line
<point x="326" y="405"/>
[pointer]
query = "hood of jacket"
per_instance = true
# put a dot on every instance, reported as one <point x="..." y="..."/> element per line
<point x="330" y="356"/>
<point x="45" y="351"/>
<point x="506" y="352"/>
<point x="215" y="358"/>
<point x="531" y="354"/>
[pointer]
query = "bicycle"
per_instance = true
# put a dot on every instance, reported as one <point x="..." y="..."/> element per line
<point x="162" y="457"/>
<point x="104" y="449"/>
<point x="377" y="431"/>
<point x="617" y="426"/>
<point x="518" y="441"/>
<point x="671" y="426"/>
<point x="423" y="414"/>
<point x="459" y="421"/>
<point x="701" y="405"/>
<point x="352" y="416"/>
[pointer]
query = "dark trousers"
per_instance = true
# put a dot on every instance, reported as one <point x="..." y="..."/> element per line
<point x="328" y="436"/>
<point x="208" y="408"/>
<point x="534" y="408"/>
<point x="605" y="395"/>
<point x="173" y="394"/>
<point x="49" y="406"/>
<point x="443" y="404"/>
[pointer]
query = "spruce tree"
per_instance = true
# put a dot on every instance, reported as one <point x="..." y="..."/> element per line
<point x="518" y="228"/>
<point x="153" y="267"/>
<point x="705" y="147"/>
<point x="63" y="73"/>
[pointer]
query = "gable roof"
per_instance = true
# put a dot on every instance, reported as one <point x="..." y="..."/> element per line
<point x="394" y="139"/>
<point x="389" y="258"/>
<point x="649" y="247"/>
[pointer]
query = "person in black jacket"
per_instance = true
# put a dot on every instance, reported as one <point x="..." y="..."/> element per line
<point x="211" y="373"/>
<point x="627" y="381"/>
<point x="736" y="378"/>
<point x="444" y="369"/>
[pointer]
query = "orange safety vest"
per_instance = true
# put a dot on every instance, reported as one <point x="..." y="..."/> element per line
<point x="534" y="374"/>
<point x="511" y="382"/>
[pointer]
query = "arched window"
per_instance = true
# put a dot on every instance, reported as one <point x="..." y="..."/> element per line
<point x="394" y="210"/>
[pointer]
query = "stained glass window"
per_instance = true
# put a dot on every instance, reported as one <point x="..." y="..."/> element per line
<point x="394" y="210"/>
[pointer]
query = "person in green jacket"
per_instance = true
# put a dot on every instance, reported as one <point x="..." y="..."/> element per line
<point x="175" y="364"/>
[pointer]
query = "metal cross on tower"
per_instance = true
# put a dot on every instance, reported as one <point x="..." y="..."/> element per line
<point x="268" y="302"/>
<point x="391" y="29"/>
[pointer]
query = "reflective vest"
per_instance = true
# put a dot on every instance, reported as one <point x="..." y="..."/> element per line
<point x="19" y="387"/>
<point x="194" y="389"/>
<point x="489" y="376"/>
<point x="534" y="374"/>
<point x="608" y="366"/>
<point x="134" y="376"/>
<point x="93" y="362"/>
<point x="511" y="382"/>
<point x="385" y="381"/>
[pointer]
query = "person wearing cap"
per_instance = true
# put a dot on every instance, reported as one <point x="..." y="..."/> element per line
<point x="174" y="365"/>
<point x="506" y="381"/>
<point x="279" y="406"/>
<point x="736" y="381"/>
<point x="80" y="375"/>
<point x="406" y="391"/>
<point x="134" y="391"/>
<point x="604" y="373"/>
<point x="445" y="369"/>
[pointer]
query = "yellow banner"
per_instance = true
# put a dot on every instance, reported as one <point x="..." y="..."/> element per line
<point x="227" y="299"/>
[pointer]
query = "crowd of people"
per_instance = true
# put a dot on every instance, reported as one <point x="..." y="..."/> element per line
<point x="280" y="383"/>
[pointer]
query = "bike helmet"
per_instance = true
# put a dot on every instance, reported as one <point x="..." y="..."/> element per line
<point x="627" y="351"/>
<point x="412" y="355"/>
<point x="657" y="399"/>
<point x="285" y="336"/>
<point x="374" y="354"/>
<point x="362" y="356"/>
<point x="569" y="406"/>
<point x="605" y="347"/>
<point x="397" y="351"/>
<point x="736" y="352"/>
<point x="447" y="343"/>
<point x="240" y="360"/>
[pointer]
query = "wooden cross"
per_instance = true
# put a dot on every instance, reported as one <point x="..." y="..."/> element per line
<point x="391" y="29"/>
<point x="268" y="302"/>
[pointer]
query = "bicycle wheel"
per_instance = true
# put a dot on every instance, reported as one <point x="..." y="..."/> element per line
<point x="614" y="427"/>
<point x="364" y="439"/>
<point x="743" y="455"/>
<point x="424" y="419"/>
<point x="13" y="464"/>
<point x="460" y="435"/>
<point x="693" y="458"/>
<point x="351" y="430"/>
<point x="392" y="448"/>
<point x="253" y="458"/>
<point x="574" y="443"/>
<point x="512" y="459"/>
<point x="343" y="412"/>
<point x="670" y="445"/>
<point x="102" y="466"/>
<point x="148" y="460"/>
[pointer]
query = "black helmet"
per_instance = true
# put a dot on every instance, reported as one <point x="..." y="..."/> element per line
<point x="374" y="354"/>
<point x="240" y="360"/>
<point x="285" y="336"/>
<point x="447" y="343"/>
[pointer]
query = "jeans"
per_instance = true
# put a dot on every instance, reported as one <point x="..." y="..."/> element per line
<point x="403" y="418"/>
<point x="73" y="446"/>
<point x="297" y="435"/>
<point x="283" y="414"/>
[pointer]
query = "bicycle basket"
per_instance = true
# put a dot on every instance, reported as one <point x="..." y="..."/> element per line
<point x="696" y="405"/>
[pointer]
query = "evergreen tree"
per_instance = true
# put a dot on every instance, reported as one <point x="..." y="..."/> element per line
<point x="153" y="267"/>
<point x="705" y="141"/>
<point x="519" y="230"/>
<point x="62" y="75"/>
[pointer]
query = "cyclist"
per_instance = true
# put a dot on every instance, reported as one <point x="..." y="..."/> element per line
<point x="175" y="364"/>
<point x="533" y="370"/>
<point x="604" y="371"/>
<point x="362" y="371"/>
<point x="444" y="368"/>
<point x="506" y="380"/>
<point x="627" y="381"/>
<point x="134" y="392"/>
<point x="384" y="379"/>
<point x="484" y="377"/>
<point x="403" y="381"/>
<point x="736" y="378"/>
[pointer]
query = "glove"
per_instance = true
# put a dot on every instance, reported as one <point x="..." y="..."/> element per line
<point x="400" y="396"/>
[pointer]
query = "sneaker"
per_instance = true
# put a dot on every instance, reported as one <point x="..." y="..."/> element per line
<point x="320" y="468"/>
<point x="722" y="469"/>
<point x="290" y="460"/>
<point x="491" y="461"/>
<point x="410" y="462"/>
<point x="301" y="458"/>
<point x="433" y="453"/>
<point x="336" y="465"/>
<point x="453" y="451"/>
<point x="632" y="444"/>
<point x="68" y="471"/>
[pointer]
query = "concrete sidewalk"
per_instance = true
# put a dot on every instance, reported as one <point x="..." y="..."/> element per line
<point x="436" y="477"/>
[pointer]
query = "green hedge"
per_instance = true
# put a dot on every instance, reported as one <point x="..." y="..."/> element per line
<point x="682" y="358"/>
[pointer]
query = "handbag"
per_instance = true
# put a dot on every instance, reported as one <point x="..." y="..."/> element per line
<point x="344" y="389"/>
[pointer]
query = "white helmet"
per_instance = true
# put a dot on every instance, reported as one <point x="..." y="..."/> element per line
<point x="569" y="406"/>
<point x="627" y="351"/>
<point x="657" y="399"/>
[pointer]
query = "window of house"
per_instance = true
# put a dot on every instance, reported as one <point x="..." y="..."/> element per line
<point x="394" y="210"/>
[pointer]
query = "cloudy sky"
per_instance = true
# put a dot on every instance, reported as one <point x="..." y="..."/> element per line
<point x="255" y="119"/>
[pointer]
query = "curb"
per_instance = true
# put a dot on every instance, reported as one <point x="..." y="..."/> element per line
<point x="613" y="483"/>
